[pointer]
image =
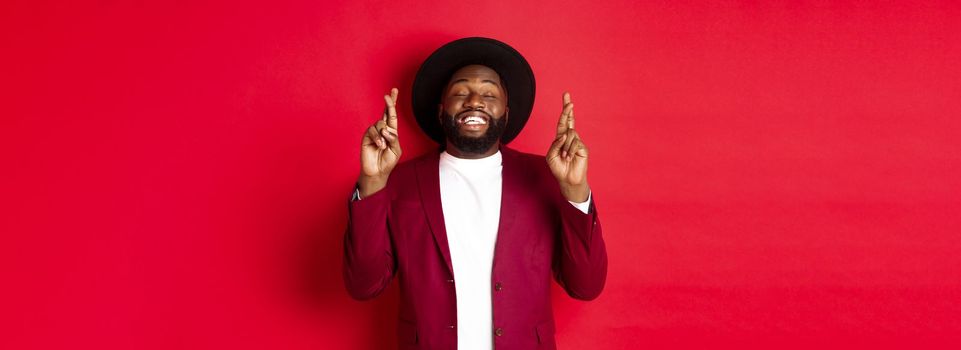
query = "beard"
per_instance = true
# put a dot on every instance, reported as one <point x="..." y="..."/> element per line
<point x="473" y="145"/>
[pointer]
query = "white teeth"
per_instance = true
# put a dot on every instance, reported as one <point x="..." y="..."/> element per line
<point x="474" y="121"/>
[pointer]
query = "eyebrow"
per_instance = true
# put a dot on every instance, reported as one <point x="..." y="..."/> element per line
<point x="464" y="80"/>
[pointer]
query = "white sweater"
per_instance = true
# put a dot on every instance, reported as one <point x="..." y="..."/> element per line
<point x="470" y="192"/>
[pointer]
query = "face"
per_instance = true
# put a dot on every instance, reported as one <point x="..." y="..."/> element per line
<point x="473" y="109"/>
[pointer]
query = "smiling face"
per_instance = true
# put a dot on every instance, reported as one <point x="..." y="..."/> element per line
<point x="473" y="112"/>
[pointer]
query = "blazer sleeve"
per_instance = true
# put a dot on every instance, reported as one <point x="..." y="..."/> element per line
<point x="580" y="266"/>
<point x="369" y="260"/>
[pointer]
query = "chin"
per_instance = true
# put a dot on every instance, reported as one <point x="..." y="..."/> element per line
<point x="473" y="141"/>
<point x="472" y="135"/>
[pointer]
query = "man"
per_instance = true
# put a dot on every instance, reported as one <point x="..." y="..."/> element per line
<point x="476" y="231"/>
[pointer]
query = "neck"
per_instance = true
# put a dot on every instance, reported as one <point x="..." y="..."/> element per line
<point x="465" y="155"/>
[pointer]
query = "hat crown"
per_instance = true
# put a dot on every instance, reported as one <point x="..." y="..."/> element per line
<point x="515" y="72"/>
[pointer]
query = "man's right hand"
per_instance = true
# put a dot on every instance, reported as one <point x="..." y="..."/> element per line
<point x="379" y="149"/>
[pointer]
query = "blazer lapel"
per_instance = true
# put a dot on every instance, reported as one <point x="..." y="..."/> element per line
<point x="510" y="190"/>
<point x="428" y="180"/>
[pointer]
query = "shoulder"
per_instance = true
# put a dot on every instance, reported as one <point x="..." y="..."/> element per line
<point x="407" y="169"/>
<point x="525" y="160"/>
<point x="529" y="166"/>
<point x="430" y="156"/>
<point x="530" y="172"/>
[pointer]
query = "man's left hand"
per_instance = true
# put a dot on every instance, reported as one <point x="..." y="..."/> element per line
<point x="567" y="157"/>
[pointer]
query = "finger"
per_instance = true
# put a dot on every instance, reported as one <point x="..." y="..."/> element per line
<point x="388" y="137"/>
<point x="562" y="124"/>
<point x="372" y="138"/>
<point x="381" y="141"/>
<point x="570" y="116"/>
<point x="582" y="151"/>
<point x="393" y="141"/>
<point x="572" y="150"/>
<point x="389" y="133"/>
<point x="385" y="132"/>
<point x="393" y="100"/>
<point x="555" y="149"/>
<point x="391" y="108"/>
<point x="381" y="126"/>
<point x="566" y="150"/>
<point x="579" y="149"/>
<point x="391" y="130"/>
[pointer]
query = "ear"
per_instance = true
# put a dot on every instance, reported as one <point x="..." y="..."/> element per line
<point x="440" y="113"/>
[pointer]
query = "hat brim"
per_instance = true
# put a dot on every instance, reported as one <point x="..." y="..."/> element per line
<point x="432" y="78"/>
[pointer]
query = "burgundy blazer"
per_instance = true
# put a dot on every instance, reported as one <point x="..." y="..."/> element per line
<point x="399" y="231"/>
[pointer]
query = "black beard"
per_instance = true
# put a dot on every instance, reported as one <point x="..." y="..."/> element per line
<point x="473" y="145"/>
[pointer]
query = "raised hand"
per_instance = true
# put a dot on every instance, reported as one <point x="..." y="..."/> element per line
<point x="379" y="149"/>
<point x="567" y="156"/>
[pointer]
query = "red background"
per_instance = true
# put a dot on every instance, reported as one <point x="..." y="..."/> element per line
<point x="769" y="174"/>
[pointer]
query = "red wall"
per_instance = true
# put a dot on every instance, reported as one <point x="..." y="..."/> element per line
<point x="769" y="174"/>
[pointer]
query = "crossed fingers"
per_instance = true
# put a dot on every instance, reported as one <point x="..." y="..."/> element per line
<point x="384" y="132"/>
<point x="568" y="143"/>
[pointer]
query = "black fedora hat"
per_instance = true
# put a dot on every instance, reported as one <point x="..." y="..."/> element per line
<point x="432" y="77"/>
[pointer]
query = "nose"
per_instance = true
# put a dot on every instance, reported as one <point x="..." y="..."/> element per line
<point x="474" y="101"/>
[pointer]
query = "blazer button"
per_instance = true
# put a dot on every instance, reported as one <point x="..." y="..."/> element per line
<point x="499" y="332"/>
<point x="498" y="286"/>
<point x="450" y="281"/>
<point x="451" y="327"/>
